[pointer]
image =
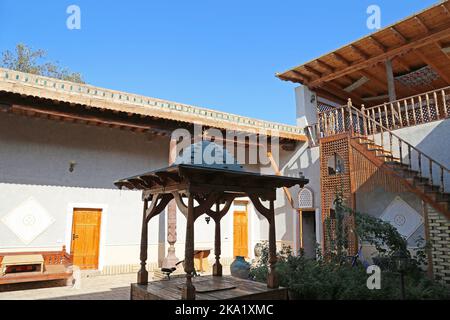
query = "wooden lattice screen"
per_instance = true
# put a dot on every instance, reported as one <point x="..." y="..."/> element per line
<point x="331" y="184"/>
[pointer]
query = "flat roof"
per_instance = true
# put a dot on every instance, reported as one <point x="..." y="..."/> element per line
<point x="31" y="85"/>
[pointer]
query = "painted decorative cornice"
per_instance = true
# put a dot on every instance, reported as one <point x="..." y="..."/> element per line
<point x="84" y="94"/>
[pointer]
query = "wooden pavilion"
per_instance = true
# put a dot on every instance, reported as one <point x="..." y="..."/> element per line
<point x="209" y="190"/>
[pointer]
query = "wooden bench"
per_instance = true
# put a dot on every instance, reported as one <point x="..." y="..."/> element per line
<point x="57" y="265"/>
<point x="18" y="261"/>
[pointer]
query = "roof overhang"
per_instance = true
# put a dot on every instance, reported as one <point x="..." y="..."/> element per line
<point x="90" y="97"/>
<point x="358" y="70"/>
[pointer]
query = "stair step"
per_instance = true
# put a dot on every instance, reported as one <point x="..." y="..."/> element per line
<point x="445" y="205"/>
<point x="443" y="197"/>
<point x="422" y="181"/>
<point x="403" y="170"/>
<point x="438" y="197"/>
<point x="364" y="140"/>
<point x="390" y="158"/>
<point x="381" y="152"/>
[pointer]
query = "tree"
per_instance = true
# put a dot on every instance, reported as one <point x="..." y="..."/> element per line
<point x="25" y="59"/>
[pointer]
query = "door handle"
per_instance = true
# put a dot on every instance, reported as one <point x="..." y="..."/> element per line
<point x="74" y="236"/>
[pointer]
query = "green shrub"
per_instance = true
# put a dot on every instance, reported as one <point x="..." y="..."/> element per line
<point x="320" y="280"/>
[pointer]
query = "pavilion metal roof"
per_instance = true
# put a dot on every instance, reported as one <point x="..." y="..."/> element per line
<point x="209" y="178"/>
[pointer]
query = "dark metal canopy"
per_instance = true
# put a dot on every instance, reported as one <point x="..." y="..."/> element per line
<point x="197" y="178"/>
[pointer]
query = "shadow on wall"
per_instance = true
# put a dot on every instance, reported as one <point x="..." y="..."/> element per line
<point x="291" y="164"/>
<point x="433" y="139"/>
<point x="377" y="190"/>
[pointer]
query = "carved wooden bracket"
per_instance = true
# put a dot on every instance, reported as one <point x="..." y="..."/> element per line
<point x="203" y="207"/>
<point x="266" y="212"/>
<point x="217" y="216"/>
<point x="159" y="203"/>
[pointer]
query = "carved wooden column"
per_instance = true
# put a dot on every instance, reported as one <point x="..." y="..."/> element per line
<point x="272" y="278"/>
<point x="171" y="259"/>
<point x="217" y="267"/>
<point x="142" y="277"/>
<point x="188" y="292"/>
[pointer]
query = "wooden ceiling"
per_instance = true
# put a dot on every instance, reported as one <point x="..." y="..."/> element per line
<point x="358" y="71"/>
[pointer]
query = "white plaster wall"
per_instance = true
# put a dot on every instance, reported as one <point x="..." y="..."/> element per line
<point x="34" y="162"/>
<point x="430" y="138"/>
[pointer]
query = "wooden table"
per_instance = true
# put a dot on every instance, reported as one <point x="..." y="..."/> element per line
<point x="201" y="259"/>
<point x="21" y="260"/>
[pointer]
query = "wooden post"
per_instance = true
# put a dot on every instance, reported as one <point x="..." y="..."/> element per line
<point x="427" y="99"/>
<point x="390" y="81"/>
<point x="272" y="279"/>
<point x="406" y="112"/>
<point x="142" y="277"/>
<point x="414" y="111"/>
<point x="188" y="291"/>
<point x="444" y="104"/>
<point x="171" y="259"/>
<point x="217" y="267"/>
<point x="400" y="118"/>
<point x="363" y="110"/>
<point x="349" y="105"/>
<point x="436" y="105"/>
<point x="421" y="110"/>
<point x="300" y="214"/>
<point x="386" y="115"/>
<point x="392" y="117"/>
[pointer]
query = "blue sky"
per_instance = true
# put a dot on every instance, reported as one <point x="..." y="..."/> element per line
<point x="220" y="54"/>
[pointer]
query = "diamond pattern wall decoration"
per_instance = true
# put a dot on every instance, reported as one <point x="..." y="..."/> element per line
<point x="402" y="216"/>
<point x="28" y="220"/>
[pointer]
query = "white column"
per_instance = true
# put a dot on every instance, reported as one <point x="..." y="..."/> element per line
<point x="306" y="102"/>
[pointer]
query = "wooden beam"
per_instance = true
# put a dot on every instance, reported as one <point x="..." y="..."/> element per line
<point x="390" y="81"/>
<point x="401" y="63"/>
<point x="421" y="24"/>
<point x="302" y="76"/>
<point x="444" y="46"/>
<point x="444" y="8"/>
<point x="341" y="59"/>
<point x="398" y="35"/>
<point x="360" y="52"/>
<point x="313" y="71"/>
<point x="382" y="97"/>
<point x="339" y="92"/>
<point x="418" y="42"/>
<point x="368" y="89"/>
<point x="378" y="44"/>
<point x="432" y="64"/>
<point x="358" y="83"/>
<point x="325" y="66"/>
<point x="81" y="118"/>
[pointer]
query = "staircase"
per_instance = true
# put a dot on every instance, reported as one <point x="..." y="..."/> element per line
<point x="423" y="175"/>
<point x="422" y="186"/>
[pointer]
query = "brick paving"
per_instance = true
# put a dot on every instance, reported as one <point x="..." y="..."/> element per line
<point x="90" y="288"/>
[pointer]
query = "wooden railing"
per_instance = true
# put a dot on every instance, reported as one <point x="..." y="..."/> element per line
<point x="411" y="111"/>
<point x="348" y="119"/>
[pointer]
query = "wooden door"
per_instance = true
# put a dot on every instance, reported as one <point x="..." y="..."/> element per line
<point x="240" y="234"/>
<point x="86" y="238"/>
